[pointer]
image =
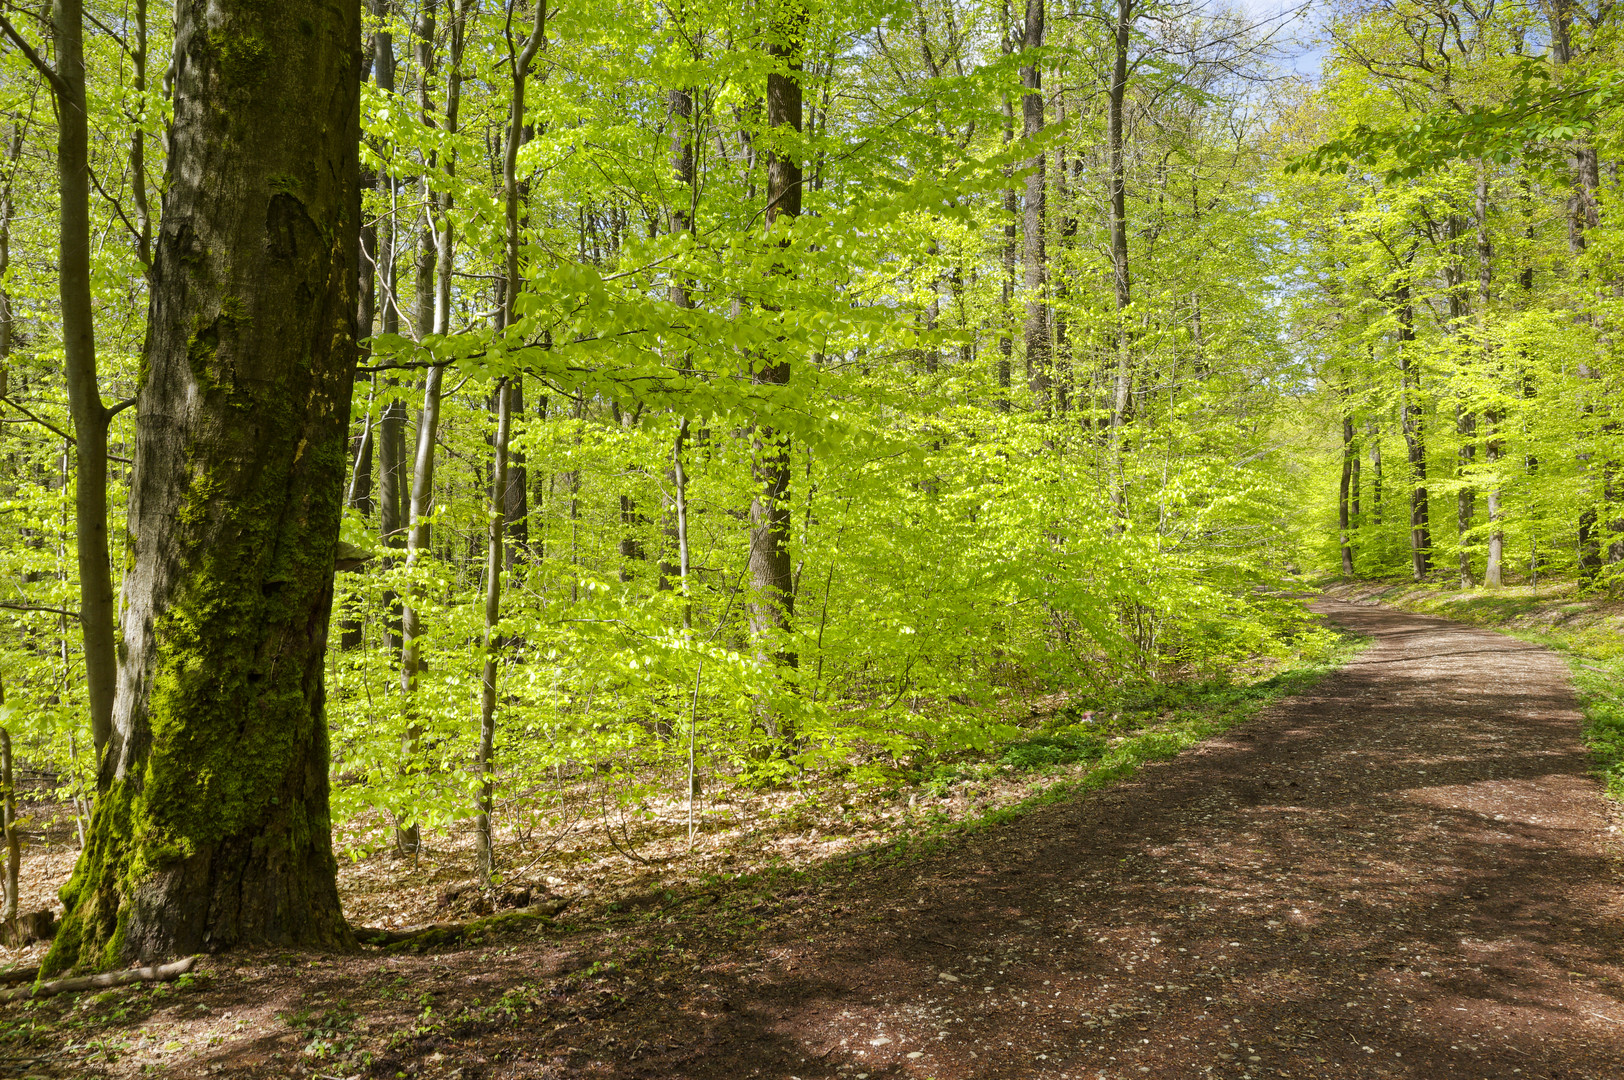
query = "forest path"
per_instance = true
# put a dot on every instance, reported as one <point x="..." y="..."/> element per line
<point x="1407" y="872"/>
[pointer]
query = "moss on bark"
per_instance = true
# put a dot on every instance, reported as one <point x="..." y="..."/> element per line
<point x="211" y="826"/>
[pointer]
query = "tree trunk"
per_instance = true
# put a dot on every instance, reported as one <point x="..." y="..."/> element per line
<point x="212" y="829"/>
<point x="1375" y="473"/>
<point x="90" y="415"/>
<point x="1006" y="341"/>
<point x="1414" y="438"/>
<point x="772" y="596"/>
<point x="1350" y="456"/>
<point x="1116" y="179"/>
<point x="1034" y="257"/>
<point x="1493" y="448"/>
<point x="484" y="855"/>
<point x="392" y="484"/>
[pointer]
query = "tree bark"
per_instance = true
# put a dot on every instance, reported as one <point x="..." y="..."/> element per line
<point x="1034" y="256"/>
<point x="1414" y="418"/>
<point x="1116" y="180"/>
<point x="772" y="596"/>
<point x="392" y="480"/>
<point x="1350" y="457"/>
<point x="90" y="415"/>
<point x="212" y="828"/>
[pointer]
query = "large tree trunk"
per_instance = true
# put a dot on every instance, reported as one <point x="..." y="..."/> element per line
<point x="772" y="595"/>
<point x="212" y="829"/>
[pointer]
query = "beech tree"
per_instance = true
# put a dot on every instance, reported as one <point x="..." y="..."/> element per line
<point x="212" y="825"/>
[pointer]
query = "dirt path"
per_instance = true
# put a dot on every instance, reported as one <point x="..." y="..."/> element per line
<point x="1406" y="873"/>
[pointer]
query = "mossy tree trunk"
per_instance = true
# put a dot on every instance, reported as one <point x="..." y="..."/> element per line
<point x="212" y="827"/>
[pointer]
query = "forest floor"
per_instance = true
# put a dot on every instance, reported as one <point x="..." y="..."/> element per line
<point x="1408" y="871"/>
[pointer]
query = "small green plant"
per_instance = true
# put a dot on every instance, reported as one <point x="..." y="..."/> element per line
<point x="1066" y="747"/>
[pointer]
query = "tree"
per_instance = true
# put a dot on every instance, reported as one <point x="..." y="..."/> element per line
<point x="212" y="826"/>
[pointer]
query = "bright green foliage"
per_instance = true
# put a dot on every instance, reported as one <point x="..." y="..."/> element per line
<point x="958" y="544"/>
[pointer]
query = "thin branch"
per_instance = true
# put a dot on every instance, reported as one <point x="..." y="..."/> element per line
<point x="39" y="607"/>
<point x="10" y="31"/>
<point x="37" y="419"/>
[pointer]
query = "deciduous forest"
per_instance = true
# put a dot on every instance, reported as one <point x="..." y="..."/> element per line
<point x="482" y="460"/>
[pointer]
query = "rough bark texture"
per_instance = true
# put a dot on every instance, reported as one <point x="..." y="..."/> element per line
<point x="212" y="826"/>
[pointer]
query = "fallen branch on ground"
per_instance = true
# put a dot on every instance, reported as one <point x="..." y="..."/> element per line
<point x="160" y="973"/>
<point x="446" y="933"/>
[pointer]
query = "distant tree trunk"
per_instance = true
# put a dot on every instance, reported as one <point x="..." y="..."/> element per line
<point x="1006" y="340"/>
<point x="1350" y="457"/>
<point x="1374" y="435"/>
<point x="8" y="825"/>
<point x="517" y="501"/>
<point x="391" y="436"/>
<point x="682" y="220"/>
<point x="1116" y="99"/>
<point x="772" y="595"/>
<point x="1493" y="447"/>
<point x="1415" y="442"/>
<point x="433" y="313"/>
<point x="212" y="828"/>
<point x="1034" y="257"/>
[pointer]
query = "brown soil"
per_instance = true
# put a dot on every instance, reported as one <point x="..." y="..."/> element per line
<point x="1408" y="872"/>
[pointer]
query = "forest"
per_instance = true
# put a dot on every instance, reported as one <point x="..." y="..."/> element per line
<point x="525" y="443"/>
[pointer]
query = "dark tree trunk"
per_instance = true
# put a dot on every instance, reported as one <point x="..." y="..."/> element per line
<point x="1415" y="441"/>
<point x="391" y="437"/>
<point x="212" y="828"/>
<point x="1350" y="459"/>
<point x="772" y="595"/>
<point x="1034" y="257"/>
<point x="1116" y="99"/>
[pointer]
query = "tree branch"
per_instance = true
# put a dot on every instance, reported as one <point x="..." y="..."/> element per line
<point x="10" y="31"/>
<point x="39" y="607"/>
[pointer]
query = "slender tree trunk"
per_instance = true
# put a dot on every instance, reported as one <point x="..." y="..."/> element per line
<point x="772" y="595"/>
<point x="8" y="823"/>
<point x="1493" y="447"/>
<point x="485" y="858"/>
<point x="1006" y="341"/>
<point x="435" y="261"/>
<point x="392" y="476"/>
<point x="1374" y="434"/>
<point x="1350" y="456"/>
<point x="682" y="220"/>
<point x="1415" y="443"/>
<point x="1116" y="179"/>
<point x="212" y="829"/>
<point x="90" y="415"/>
<point x="1034" y="255"/>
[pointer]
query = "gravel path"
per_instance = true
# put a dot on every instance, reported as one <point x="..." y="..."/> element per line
<point x="1407" y="873"/>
